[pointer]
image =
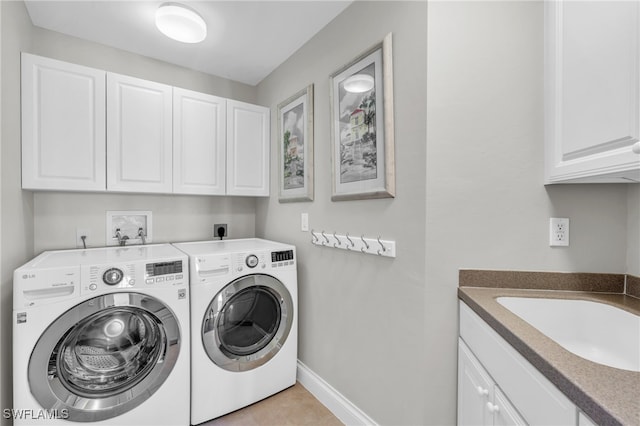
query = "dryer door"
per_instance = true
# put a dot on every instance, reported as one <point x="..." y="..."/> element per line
<point x="247" y="322"/>
<point x="104" y="356"/>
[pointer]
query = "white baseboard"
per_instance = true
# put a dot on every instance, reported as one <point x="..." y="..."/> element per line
<point x="340" y="406"/>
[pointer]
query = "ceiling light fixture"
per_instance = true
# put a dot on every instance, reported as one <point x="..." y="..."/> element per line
<point x="180" y="23"/>
<point x="358" y="83"/>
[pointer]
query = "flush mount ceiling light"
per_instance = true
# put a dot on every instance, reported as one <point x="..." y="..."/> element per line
<point x="358" y="83"/>
<point x="180" y="23"/>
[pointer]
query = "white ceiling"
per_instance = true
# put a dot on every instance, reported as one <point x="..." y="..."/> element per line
<point x="246" y="40"/>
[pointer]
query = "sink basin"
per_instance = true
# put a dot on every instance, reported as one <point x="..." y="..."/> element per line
<point x="598" y="332"/>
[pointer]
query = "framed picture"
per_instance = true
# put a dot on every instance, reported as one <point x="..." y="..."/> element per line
<point x="362" y="126"/>
<point x="295" y="141"/>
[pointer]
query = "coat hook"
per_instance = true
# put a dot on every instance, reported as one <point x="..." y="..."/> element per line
<point x="325" y="238"/>
<point x="350" y="241"/>
<point x="365" y="243"/>
<point x="381" y="245"/>
<point x="337" y="239"/>
<point x="315" y="238"/>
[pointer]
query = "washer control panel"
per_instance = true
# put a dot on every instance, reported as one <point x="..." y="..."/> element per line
<point x="163" y="271"/>
<point x="133" y="275"/>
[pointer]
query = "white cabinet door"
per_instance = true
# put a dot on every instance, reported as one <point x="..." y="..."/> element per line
<point x="584" y="420"/>
<point x="480" y="399"/>
<point x="247" y="149"/>
<point x="199" y="141"/>
<point x="475" y="390"/>
<point x="63" y="125"/>
<point x="139" y="133"/>
<point x="504" y="413"/>
<point x="592" y="91"/>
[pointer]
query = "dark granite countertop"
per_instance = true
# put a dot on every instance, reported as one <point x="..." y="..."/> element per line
<point x="607" y="395"/>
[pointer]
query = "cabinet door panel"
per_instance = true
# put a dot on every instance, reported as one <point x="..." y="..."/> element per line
<point x="139" y="136"/>
<point x="247" y="149"/>
<point x="199" y="141"/>
<point x="506" y="415"/>
<point x="592" y="91"/>
<point x="475" y="389"/>
<point x="63" y="125"/>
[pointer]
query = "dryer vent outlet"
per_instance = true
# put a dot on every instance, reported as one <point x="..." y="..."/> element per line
<point x="220" y="230"/>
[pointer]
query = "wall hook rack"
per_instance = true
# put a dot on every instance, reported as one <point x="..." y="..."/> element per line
<point x="376" y="246"/>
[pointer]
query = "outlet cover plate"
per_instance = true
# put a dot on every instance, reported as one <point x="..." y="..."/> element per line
<point x="215" y="230"/>
<point x="558" y="232"/>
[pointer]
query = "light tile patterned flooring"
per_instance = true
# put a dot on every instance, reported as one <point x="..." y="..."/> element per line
<point x="294" y="406"/>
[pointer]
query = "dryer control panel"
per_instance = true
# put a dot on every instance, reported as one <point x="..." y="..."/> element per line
<point x="215" y="267"/>
<point x="282" y="258"/>
<point x="257" y="261"/>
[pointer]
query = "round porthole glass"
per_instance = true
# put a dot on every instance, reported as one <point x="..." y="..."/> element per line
<point x="247" y="322"/>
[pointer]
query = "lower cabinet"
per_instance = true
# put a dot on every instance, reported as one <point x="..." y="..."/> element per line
<point x="480" y="400"/>
<point x="498" y="386"/>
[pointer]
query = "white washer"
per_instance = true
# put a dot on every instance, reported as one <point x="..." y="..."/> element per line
<point x="244" y="331"/>
<point x="101" y="336"/>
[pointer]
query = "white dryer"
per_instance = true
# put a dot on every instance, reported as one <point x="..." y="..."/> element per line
<point x="244" y="332"/>
<point x="101" y="336"/>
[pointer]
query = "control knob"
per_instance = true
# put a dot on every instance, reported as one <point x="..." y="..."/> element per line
<point x="112" y="276"/>
<point x="252" y="261"/>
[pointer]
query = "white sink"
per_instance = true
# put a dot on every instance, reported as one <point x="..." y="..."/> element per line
<point x="598" y="332"/>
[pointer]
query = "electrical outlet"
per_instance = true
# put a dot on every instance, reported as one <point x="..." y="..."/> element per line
<point x="82" y="232"/>
<point x="304" y="222"/>
<point x="558" y="231"/>
<point x="220" y="230"/>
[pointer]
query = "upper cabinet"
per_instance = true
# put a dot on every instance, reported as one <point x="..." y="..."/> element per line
<point x="592" y="91"/>
<point x="63" y="125"/>
<point x="199" y="143"/>
<point x="90" y="130"/>
<point x="247" y="149"/>
<point x="139" y="139"/>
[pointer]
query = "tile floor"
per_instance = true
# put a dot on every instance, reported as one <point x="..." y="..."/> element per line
<point x="294" y="406"/>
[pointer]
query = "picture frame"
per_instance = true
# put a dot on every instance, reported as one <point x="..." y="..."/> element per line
<point x="362" y="126"/>
<point x="295" y="142"/>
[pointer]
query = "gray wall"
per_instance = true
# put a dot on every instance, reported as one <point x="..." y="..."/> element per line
<point x="383" y="332"/>
<point x="486" y="205"/>
<point x="362" y="318"/>
<point x="16" y="206"/>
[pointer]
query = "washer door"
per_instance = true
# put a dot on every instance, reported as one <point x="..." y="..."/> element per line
<point x="247" y="322"/>
<point x="104" y="356"/>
